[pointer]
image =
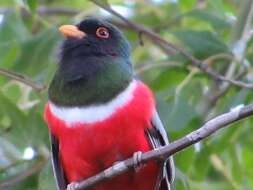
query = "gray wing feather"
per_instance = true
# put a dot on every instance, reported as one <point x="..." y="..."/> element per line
<point x="57" y="167"/>
<point x="158" y="137"/>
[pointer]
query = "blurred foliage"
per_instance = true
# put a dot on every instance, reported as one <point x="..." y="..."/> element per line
<point x="209" y="29"/>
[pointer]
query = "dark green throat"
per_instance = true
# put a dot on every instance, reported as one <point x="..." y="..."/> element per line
<point x="107" y="82"/>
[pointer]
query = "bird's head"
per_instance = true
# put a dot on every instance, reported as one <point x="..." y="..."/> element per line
<point x="94" y="63"/>
<point x="94" y="37"/>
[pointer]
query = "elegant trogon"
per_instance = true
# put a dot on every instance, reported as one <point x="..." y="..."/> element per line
<point x="99" y="114"/>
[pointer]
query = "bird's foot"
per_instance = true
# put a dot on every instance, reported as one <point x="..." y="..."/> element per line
<point x="137" y="161"/>
<point x="73" y="186"/>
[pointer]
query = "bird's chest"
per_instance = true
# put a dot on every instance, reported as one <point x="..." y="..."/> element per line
<point x="104" y="142"/>
<point x="87" y="148"/>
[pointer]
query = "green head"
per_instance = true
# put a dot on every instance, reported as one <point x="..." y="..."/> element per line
<point x="94" y="64"/>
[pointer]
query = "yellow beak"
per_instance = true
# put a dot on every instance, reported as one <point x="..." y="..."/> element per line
<point x="71" y="31"/>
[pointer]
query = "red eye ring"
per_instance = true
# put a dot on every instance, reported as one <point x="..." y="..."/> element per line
<point x="102" y="32"/>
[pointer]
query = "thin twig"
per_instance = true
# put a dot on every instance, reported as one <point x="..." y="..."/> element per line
<point x="20" y="177"/>
<point x="221" y="92"/>
<point x="14" y="164"/>
<point x="149" y="66"/>
<point x="23" y="79"/>
<point x="222" y="168"/>
<point x="162" y="153"/>
<point x="241" y="35"/>
<point x="157" y="40"/>
<point x="225" y="56"/>
<point x="186" y="80"/>
<point x="239" y="40"/>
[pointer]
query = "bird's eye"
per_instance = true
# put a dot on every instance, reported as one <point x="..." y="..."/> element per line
<point x="102" y="32"/>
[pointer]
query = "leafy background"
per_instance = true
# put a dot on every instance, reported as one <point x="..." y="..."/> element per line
<point x="215" y="31"/>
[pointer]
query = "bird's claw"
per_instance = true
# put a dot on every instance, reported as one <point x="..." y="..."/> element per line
<point x="72" y="186"/>
<point x="137" y="161"/>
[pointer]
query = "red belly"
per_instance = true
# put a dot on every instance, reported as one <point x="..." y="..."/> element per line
<point x="87" y="150"/>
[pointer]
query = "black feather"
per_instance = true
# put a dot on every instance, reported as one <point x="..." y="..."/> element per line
<point x="57" y="166"/>
<point x="158" y="137"/>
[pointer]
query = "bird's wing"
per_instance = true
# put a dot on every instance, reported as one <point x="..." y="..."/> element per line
<point x="158" y="137"/>
<point x="57" y="167"/>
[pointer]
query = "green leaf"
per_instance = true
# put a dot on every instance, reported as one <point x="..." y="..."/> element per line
<point x="101" y="2"/>
<point x="46" y="178"/>
<point x="7" y="3"/>
<point x="236" y="99"/>
<point x="181" y="113"/>
<point x="34" y="58"/>
<point x="210" y="185"/>
<point x="29" y="183"/>
<point x="218" y="6"/>
<point x="247" y="155"/>
<point x="216" y="22"/>
<point x="18" y="134"/>
<point x="10" y="109"/>
<point x="184" y="159"/>
<point x="32" y="4"/>
<point x="235" y="154"/>
<point x="202" y="43"/>
<point x="201" y="164"/>
<point x="12" y="30"/>
<point x="169" y="78"/>
<point x="34" y="124"/>
<point x="187" y="4"/>
<point x="8" y="55"/>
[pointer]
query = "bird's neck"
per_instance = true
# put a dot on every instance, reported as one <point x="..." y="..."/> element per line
<point x="92" y="82"/>
<point x="94" y="113"/>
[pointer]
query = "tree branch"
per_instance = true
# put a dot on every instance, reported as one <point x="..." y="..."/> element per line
<point x="164" y="152"/>
<point x="169" y="47"/>
<point x="23" y="79"/>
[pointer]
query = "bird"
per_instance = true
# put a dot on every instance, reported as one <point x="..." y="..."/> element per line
<point x="99" y="113"/>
